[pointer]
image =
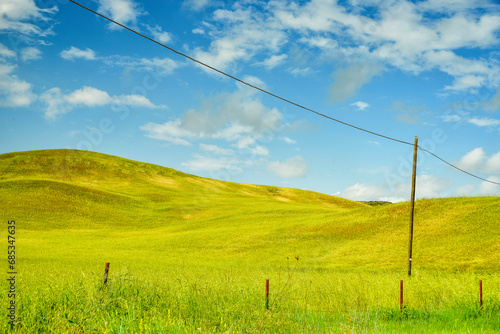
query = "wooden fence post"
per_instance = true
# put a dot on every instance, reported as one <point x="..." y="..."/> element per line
<point x="105" y="277"/>
<point x="267" y="294"/>
<point x="480" y="295"/>
<point x="401" y="296"/>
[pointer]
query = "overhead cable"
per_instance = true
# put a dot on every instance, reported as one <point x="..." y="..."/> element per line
<point x="272" y="94"/>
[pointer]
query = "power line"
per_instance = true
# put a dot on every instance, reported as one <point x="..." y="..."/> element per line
<point x="240" y="80"/>
<point x="458" y="168"/>
<point x="272" y="94"/>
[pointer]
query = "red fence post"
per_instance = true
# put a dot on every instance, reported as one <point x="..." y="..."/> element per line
<point x="267" y="294"/>
<point x="480" y="294"/>
<point x="401" y="295"/>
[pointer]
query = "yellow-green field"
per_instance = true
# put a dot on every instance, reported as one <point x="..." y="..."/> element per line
<point x="191" y="255"/>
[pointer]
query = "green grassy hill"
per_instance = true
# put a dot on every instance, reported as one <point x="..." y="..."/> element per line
<point x="83" y="206"/>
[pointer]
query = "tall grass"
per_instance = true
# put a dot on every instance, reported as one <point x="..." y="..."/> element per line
<point x="147" y="299"/>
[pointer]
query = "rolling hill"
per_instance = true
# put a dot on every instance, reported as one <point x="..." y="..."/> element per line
<point x="83" y="206"/>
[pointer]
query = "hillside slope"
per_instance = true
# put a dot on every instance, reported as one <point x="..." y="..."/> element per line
<point x="85" y="206"/>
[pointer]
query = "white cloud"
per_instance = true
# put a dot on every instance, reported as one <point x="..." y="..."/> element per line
<point x="135" y="100"/>
<point x="259" y="150"/>
<point x="409" y="114"/>
<point x="465" y="190"/>
<point x="58" y="103"/>
<point x="463" y="118"/>
<point x="160" y="35"/>
<point x="294" y="167"/>
<point x="162" y="66"/>
<point x="245" y="33"/>
<point x="484" y="121"/>
<point x="427" y="186"/>
<point x="300" y="72"/>
<point x="361" y="192"/>
<point x="88" y="96"/>
<point x="216" y="149"/>
<point x="494" y="103"/>
<point x="488" y="188"/>
<point x="197" y="5"/>
<point x="409" y="36"/>
<point x="273" y="61"/>
<point x="477" y="161"/>
<point x="5" y="52"/>
<point x="55" y="104"/>
<point x="238" y="117"/>
<point x="122" y="11"/>
<point x="348" y="81"/>
<point x="171" y="132"/>
<point x="360" y="105"/>
<point x="466" y="82"/>
<point x="14" y="92"/>
<point x="30" y="53"/>
<point x="430" y="186"/>
<point x="74" y="53"/>
<point x="18" y="15"/>
<point x="210" y="164"/>
<point x="198" y="31"/>
<point x="400" y="34"/>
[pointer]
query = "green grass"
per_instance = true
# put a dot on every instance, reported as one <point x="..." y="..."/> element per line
<point x="190" y="254"/>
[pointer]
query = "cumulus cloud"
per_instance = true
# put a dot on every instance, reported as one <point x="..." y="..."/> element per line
<point x="246" y="32"/>
<point x="197" y="5"/>
<point x="160" y="35"/>
<point x="427" y="186"/>
<point x="409" y="114"/>
<point x="216" y="149"/>
<point x="292" y="168"/>
<point x="239" y="118"/>
<point x="163" y="66"/>
<point x="122" y="11"/>
<point x="212" y="164"/>
<point x="348" y="81"/>
<point x="58" y="103"/>
<point x="30" y="53"/>
<point x="74" y="53"/>
<point x="466" y="82"/>
<point x="14" y="92"/>
<point x="18" y="16"/>
<point x="361" y="192"/>
<point x="478" y="161"/>
<point x="494" y="103"/>
<point x="398" y="35"/>
<point x="5" y="52"/>
<point x="484" y="121"/>
<point x="430" y="186"/>
<point x="478" y="121"/>
<point x="273" y="61"/>
<point x="360" y="105"/>
<point x="488" y="188"/>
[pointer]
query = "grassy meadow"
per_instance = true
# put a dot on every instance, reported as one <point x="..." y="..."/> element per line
<point x="191" y="255"/>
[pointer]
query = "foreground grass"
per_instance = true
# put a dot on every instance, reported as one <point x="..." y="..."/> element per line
<point x="145" y="299"/>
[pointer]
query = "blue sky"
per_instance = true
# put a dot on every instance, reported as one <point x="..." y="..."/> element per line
<point x="69" y="79"/>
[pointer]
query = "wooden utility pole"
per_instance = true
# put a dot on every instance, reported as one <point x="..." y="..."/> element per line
<point x="413" y="181"/>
